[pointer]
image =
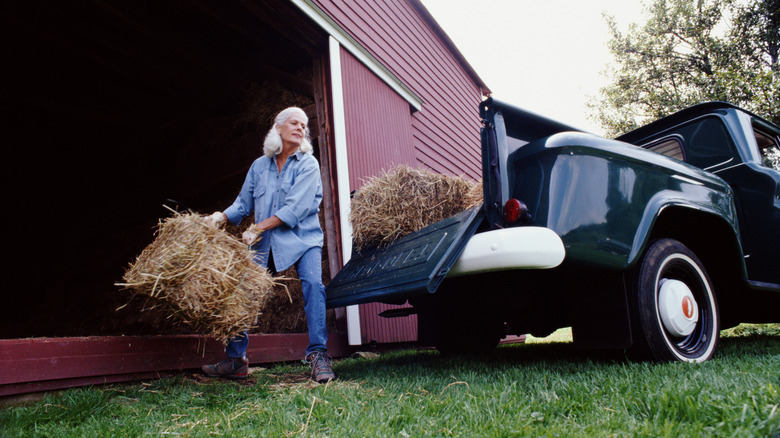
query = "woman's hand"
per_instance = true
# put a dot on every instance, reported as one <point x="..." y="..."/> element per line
<point x="251" y="235"/>
<point x="217" y="218"/>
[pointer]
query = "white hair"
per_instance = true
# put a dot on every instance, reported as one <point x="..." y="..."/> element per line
<point x="273" y="141"/>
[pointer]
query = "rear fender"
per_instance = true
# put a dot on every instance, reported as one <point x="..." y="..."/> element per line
<point x="693" y="225"/>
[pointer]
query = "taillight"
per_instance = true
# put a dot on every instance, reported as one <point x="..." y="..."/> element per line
<point x="515" y="212"/>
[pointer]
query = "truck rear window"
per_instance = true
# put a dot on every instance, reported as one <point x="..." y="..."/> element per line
<point x="670" y="147"/>
<point x="703" y="143"/>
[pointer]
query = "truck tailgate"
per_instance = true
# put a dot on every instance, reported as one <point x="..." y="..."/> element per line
<point x="414" y="264"/>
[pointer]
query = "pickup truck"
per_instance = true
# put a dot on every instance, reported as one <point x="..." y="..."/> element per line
<point x="650" y="243"/>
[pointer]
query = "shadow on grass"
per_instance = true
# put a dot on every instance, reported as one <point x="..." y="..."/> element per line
<point x="752" y="344"/>
<point x="560" y="357"/>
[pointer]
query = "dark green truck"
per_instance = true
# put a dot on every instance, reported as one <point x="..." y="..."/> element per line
<point x="652" y="242"/>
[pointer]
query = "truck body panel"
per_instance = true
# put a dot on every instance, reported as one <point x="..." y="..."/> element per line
<point x="602" y="196"/>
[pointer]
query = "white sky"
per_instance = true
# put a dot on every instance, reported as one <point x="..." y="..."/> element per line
<point x="546" y="56"/>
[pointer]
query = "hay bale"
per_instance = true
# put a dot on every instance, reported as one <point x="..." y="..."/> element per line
<point x="284" y="312"/>
<point x="405" y="200"/>
<point x="201" y="276"/>
<point x="264" y="101"/>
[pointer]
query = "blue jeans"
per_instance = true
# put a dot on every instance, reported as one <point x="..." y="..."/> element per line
<point x="310" y="273"/>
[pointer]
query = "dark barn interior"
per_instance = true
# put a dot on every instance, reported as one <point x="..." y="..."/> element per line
<point x="117" y="108"/>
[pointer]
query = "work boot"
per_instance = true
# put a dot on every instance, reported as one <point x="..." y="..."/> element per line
<point x="321" y="372"/>
<point x="234" y="368"/>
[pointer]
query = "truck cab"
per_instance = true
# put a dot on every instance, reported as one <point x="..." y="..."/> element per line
<point x="733" y="144"/>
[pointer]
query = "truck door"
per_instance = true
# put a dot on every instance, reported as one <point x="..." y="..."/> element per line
<point x="757" y="194"/>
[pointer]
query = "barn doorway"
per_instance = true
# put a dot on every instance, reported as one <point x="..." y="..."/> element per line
<point x="120" y="108"/>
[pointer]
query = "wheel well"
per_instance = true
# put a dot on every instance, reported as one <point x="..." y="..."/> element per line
<point x="713" y="241"/>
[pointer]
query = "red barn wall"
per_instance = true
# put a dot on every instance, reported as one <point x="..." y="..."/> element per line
<point x="378" y="123"/>
<point x="382" y="132"/>
<point x="445" y="133"/>
<point x="379" y="137"/>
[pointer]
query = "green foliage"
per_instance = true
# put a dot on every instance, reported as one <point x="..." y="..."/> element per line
<point x="772" y="158"/>
<point x="688" y="52"/>
<point x="543" y="389"/>
<point x="744" y="330"/>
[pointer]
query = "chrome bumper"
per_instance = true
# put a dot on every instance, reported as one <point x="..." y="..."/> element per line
<point x="510" y="248"/>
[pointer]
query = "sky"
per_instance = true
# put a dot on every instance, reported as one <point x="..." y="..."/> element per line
<point x="547" y="56"/>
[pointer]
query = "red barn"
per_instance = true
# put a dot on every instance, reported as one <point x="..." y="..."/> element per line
<point x="117" y="108"/>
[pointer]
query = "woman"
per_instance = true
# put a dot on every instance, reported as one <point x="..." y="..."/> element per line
<point x="284" y="189"/>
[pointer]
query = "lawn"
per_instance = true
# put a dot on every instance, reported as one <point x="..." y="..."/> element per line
<point x="542" y="388"/>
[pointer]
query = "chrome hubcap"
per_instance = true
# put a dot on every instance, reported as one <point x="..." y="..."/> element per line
<point x="677" y="307"/>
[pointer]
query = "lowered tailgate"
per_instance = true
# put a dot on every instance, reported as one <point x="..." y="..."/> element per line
<point x="414" y="264"/>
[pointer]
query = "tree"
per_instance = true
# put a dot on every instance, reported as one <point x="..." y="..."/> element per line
<point x="688" y="52"/>
<point x="755" y="40"/>
<point x="773" y="158"/>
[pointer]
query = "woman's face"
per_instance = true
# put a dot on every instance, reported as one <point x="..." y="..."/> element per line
<point x="292" y="130"/>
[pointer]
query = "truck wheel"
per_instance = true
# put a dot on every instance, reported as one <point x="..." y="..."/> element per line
<point x="674" y="311"/>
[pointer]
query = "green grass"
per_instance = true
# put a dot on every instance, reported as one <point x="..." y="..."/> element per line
<point x="539" y="389"/>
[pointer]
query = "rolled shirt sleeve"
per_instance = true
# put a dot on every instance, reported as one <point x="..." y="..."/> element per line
<point x="244" y="203"/>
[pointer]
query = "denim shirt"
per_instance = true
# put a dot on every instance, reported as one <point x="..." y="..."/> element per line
<point x="294" y="196"/>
